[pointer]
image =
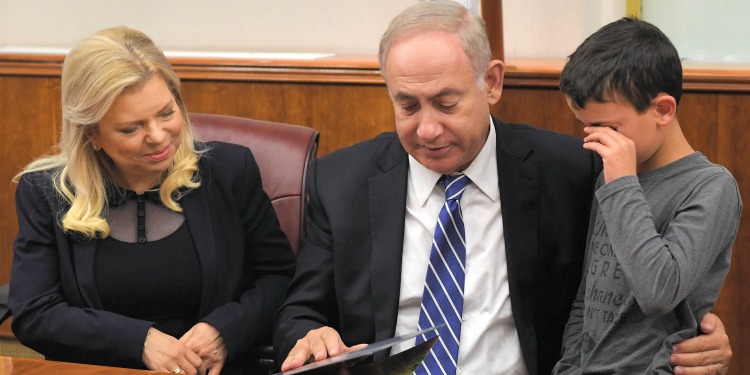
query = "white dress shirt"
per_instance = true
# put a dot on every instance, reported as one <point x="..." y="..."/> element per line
<point x="489" y="342"/>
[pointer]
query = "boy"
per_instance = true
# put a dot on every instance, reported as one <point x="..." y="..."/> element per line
<point x="664" y="218"/>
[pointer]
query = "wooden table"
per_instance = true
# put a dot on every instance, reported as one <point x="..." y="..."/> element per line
<point x="25" y="366"/>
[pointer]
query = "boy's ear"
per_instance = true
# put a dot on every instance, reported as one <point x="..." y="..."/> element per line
<point x="666" y="108"/>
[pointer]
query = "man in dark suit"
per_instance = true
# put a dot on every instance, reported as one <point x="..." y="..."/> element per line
<point x="373" y="209"/>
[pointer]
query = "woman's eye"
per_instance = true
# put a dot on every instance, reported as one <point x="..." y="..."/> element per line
<point x="130" y="130"/>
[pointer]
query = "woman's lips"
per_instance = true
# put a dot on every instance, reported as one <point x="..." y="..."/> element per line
<point x="159" y="155"/>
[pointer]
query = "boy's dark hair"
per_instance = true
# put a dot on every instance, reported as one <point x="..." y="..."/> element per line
<point x="629" y="59"/>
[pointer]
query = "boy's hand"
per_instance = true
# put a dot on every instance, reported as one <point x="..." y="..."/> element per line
<point x="617" y="151"/>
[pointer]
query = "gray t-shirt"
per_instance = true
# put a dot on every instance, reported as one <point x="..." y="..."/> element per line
<point x="659" y="248"/>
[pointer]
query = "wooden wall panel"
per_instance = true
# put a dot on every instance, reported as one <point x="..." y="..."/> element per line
<point x="733" y="151"/>
<point x="543" y="107"/>
<point x="29" y="113"/>
<point x="29" y="121"/>
<point x="346" y="111"/>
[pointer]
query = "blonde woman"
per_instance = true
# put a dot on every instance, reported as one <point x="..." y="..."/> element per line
<point x="137" y="246"/>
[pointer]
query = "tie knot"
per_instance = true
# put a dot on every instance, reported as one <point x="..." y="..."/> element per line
<point x="454" y="186"/>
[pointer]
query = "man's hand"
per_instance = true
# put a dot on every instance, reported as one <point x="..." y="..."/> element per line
<point x="617" y="151"/>
<point x="317" y="345"/>
<point x="709" y="353"/>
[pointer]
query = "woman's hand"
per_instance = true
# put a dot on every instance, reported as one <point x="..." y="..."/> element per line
<point x="162" y="352"/>
<point x="206" y="342"/>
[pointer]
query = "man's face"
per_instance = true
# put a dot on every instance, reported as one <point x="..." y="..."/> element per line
<point x="442" y="117"/>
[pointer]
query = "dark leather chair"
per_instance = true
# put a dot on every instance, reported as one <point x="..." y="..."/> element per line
<point x="283" y="152"/>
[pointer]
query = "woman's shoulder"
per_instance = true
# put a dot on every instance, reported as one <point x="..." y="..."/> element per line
<point x="38" y="188"/>
<point x="224" y="159"/>
<point x="41" y="179"/>
<point x="220" y="151"/>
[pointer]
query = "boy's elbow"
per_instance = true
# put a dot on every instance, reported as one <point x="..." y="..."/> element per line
<point x="659" y="299"/>
<point x="654" y="310"/>
<point x="655" y="306"/>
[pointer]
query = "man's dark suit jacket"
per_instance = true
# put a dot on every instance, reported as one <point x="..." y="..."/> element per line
<point x="349" y="264"/>
<point x="246" y="264"/>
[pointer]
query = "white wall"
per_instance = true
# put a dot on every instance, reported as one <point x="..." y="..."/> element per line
<point x="328" y="26"/>
<point x="553" y="29"/>
<point x="711" y="31"/>
<point x="702" y="30"/>
<point x="3" y="22"/>
<point x="337" y="26"/>
<point x="532" y="28"/>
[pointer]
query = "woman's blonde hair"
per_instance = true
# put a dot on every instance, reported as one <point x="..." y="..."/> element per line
<point x="94" y="74"/>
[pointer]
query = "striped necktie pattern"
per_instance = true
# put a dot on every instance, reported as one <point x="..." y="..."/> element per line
<point x="443" y="296"/>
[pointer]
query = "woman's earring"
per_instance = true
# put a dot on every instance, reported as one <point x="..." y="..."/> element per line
<point x="96" y="147"/>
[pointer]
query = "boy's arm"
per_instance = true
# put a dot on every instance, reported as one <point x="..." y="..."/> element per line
<point x="664" y="268"/>
<point x="709" y="353"/>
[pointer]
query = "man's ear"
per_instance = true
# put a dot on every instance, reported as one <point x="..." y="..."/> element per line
<point x="665" y="108"/>
<point x="493" y="80"/>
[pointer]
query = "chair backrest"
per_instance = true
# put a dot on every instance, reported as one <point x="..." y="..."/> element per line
<point x="282" y="151"/>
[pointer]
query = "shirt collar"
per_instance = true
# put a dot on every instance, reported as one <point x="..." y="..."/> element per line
<point x="482" y="171"/>
<point x="117" y="195"/>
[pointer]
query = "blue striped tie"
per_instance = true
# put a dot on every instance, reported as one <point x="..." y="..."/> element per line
<point x="443" y="297"/>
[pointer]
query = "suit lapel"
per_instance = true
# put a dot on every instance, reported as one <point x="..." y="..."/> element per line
<point x="198" y="218"/>
<point x="84" y="255"/>
<point x="519" y="197"/>
<point x="387" y="200"/>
